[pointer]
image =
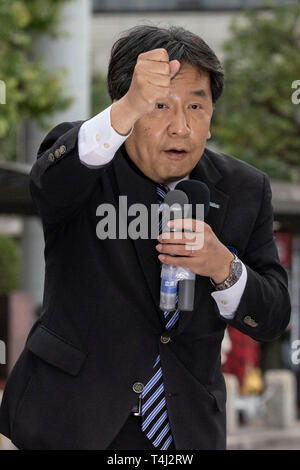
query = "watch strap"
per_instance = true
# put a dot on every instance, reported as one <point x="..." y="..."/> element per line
<point x="234" y="275"/>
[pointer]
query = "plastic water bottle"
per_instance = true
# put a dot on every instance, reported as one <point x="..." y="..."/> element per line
<point x="168" y="288"/>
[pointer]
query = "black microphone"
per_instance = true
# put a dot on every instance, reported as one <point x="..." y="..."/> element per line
<point x="173" y="209"/>
<point x="175" y="201"/>
<point x="198" y="193"/>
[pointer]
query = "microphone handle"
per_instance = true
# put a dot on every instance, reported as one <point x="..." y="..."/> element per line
<point x="186" y="294"/>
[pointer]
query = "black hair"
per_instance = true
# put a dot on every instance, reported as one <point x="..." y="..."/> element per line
<point x="179" y="43"/>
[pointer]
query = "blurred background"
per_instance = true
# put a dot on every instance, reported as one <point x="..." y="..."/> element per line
<point x="53" y="62"/>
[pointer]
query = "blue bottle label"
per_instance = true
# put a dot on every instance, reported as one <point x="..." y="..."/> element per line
<point x="168" y="287"/>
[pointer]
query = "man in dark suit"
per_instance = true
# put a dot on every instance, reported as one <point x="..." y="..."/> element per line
<point x="104" y="367"/>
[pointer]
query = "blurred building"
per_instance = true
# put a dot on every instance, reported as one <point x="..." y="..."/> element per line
<point x="210" y="19"/>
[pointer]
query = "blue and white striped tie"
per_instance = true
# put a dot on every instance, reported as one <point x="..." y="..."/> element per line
<point x="155" y="422"/>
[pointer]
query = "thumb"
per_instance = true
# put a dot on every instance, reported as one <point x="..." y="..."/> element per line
<point x="174" y="67"/>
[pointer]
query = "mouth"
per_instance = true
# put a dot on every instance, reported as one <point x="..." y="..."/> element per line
<point x="176" y="153"/>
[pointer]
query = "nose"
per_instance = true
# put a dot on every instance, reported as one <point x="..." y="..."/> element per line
<point x="178" y="125"/>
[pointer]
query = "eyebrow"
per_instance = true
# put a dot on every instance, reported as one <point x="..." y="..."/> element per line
<point x="199" y="93"/>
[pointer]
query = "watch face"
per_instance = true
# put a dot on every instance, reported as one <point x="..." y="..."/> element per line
<point x="237" y="268"/>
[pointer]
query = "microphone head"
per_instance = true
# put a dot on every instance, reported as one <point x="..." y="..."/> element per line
<point x="175" y="200"/>
<point x="176" y="197"/>
<point x="197" y="192"/>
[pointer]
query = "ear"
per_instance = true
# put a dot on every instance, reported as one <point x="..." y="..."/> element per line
<point x="208" y="135"/>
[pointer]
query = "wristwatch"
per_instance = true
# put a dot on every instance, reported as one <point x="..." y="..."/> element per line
<point x="236" y="270"/>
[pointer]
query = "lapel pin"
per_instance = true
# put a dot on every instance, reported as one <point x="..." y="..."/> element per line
<point x="214" y="204"/>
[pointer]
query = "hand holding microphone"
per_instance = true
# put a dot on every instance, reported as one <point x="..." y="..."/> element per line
<point x="198" y="193"/>
<point x="192" y="192"/>
<point x="212" y="259"/>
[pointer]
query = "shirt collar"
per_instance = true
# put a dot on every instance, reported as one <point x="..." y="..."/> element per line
<point x="172" y="185"/>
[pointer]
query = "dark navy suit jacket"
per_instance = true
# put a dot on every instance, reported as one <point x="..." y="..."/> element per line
<point x="100" y="329"/>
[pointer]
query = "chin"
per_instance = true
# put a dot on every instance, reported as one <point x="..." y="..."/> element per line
<point x="170" y="175"/>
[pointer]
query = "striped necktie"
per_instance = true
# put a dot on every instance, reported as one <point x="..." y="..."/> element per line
<point x="155" y="422"/>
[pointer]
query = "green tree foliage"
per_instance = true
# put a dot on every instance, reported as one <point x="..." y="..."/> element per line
<point x="9" y="264"/>
<point x="256" y="120"/>
<point x="32" y="91"/>
<point x="100" y="96"/>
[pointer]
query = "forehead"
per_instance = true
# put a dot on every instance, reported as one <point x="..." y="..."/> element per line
<point x="189" y="79"/>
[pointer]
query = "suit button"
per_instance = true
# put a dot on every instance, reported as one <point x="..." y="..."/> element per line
<point x="165" y="339"/>
<point x="62" y="149"/>
<point x="138" y="387"/>
<point x="57" y="153"/>
<point x="51" y="157"/>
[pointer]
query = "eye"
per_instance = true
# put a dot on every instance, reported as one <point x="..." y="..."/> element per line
<point x="160" y="105"/>
<point x="195" y="106"/>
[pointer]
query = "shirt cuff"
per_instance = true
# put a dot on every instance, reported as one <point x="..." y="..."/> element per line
<point x="98" y="141"/>
<point x="228" y="300"/>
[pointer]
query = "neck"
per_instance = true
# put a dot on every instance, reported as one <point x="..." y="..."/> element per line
<point x="174" y="183"/>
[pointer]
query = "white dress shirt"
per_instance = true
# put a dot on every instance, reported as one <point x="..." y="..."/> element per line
<point x="97" y="144"/>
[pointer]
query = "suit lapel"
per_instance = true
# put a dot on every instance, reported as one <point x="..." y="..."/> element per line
<point x="140" y="189"/>
<point x="207" y="172"/>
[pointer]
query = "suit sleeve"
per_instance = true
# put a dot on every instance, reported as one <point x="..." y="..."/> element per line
<point x="264" y="309"/>
<point x="60" y="184"/>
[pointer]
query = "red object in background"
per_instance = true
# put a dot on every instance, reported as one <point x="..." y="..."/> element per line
<point x="244" y="352"/>
<point x="284" y="245"/>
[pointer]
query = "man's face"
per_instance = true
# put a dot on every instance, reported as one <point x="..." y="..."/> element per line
<point x="167" y="143"/>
